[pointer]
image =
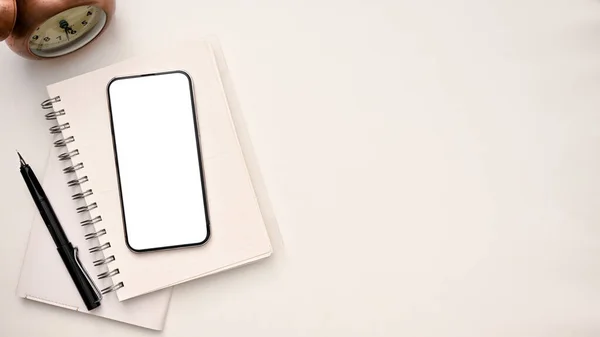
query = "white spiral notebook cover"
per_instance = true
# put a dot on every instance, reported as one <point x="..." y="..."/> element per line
<point x="238" y="233"/>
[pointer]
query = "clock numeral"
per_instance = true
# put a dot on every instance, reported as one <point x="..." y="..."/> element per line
<point x="35" y="37"/>
<point x="89" y="13"/>
<point x="84" y="23"/>
<point x="59" y="38"/>
<point x="46" y="39"/>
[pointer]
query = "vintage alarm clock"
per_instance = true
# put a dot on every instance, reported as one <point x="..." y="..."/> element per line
<point x="39" y="29"/>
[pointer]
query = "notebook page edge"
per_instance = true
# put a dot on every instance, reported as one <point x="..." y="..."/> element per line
<point x="247" y="149"/>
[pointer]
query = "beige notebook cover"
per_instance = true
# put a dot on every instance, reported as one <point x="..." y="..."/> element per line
<point x="238" y="233"/>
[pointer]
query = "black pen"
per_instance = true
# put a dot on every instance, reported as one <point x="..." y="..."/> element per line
<point x="88" y="291"/>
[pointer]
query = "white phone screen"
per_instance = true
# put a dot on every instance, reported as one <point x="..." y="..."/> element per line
<point x="158" y="160"/>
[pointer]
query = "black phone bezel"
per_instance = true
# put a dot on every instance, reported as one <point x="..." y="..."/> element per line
<point x="200" y="163"/>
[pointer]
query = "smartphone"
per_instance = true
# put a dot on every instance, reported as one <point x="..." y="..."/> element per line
<point x="159" y="161"/>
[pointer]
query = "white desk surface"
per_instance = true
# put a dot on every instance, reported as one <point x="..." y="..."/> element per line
<point x="434" y="167"/>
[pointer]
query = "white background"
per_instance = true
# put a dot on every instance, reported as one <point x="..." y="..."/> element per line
<point x="434" y="166"/>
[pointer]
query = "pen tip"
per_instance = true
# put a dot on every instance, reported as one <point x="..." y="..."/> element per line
<point x="21" y="159"/>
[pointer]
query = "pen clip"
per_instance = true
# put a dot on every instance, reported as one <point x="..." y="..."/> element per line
<point x="87" y="276"/>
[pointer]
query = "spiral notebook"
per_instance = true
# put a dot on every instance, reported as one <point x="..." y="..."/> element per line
<point x="78" y="109"/>
<point x="238" y="232"/>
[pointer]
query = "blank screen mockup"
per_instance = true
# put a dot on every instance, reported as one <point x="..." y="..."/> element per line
<point x="157" y="154"/>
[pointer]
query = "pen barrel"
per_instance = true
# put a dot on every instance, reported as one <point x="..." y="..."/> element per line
<point x="84" y="286"/>
<point x="44" y="207"/>
<point x="52" y="222"/>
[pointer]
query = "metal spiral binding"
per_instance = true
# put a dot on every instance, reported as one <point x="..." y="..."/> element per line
<point x="112" y="288"/>
<point x="87" y="208"/>
<point x="58" y="129"/>
<point x="91" y="221"/>
<point x="100" y="248"/>
<point x="47" y="104"/>
<point x="52" y="115"/>
<point x="64" y="141"/>
<point x="109" y="273"/>
<point x="68" y="155"/>
<point x="77" y="182"/>
<point x="73" y="168"/>
<point x="82" y="195"/>
<point x="95" y="235"/>
<point x="104" y="261"/>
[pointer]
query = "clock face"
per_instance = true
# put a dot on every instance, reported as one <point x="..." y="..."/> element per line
<point x="67" y="31"/>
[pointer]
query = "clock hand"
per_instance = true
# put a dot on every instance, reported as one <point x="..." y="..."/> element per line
<point x="65" y="25"/>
